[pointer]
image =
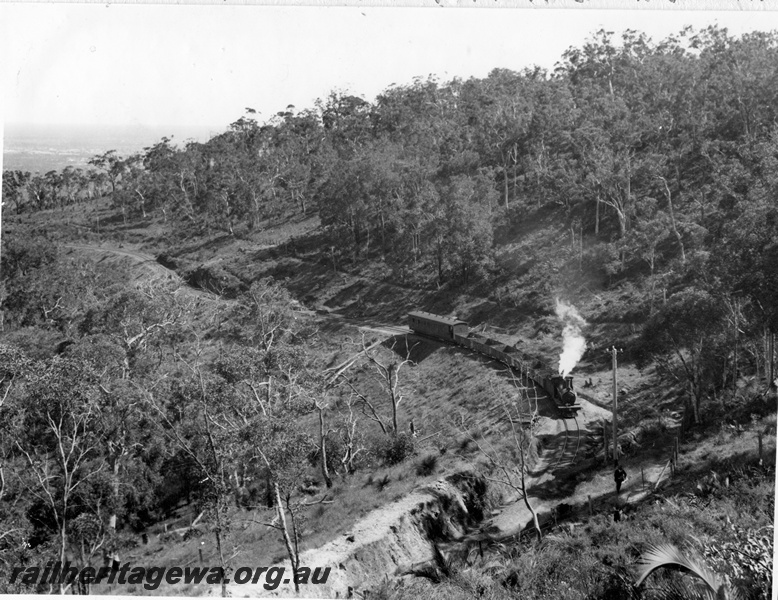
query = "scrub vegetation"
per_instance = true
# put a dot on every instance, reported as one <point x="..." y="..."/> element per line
<point x="199" y="347"/>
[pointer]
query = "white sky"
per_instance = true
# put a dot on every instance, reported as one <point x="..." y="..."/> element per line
<point x="157" y="65"/>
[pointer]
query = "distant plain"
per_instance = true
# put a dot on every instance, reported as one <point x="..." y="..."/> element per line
<point x="42" y="148"/>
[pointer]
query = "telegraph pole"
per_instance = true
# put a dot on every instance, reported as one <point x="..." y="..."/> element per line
<point x="615" y="407"/>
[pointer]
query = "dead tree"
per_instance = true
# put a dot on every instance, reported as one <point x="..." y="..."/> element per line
<point x="509" y="473"/>
<point x="320" y="407"/>
<point x="387" y="374"/>
<point x="349" y="437"/>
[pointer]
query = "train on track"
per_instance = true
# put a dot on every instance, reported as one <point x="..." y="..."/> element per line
<point x="559" y="388"/>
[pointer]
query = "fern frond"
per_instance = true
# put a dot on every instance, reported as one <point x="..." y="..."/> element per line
<point x="669" y="557"/>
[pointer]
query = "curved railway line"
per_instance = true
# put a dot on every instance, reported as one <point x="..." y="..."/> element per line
<point x="562" y="454"/>
<point x="557" y="388"/>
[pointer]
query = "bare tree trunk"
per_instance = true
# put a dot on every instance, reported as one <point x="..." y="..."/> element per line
<point x="581" y="249"/>
<point x="530" y="508"/>
<point x="62" y="551"/>
<point x="628" y="198"/>
<point x="218" y="534"/>
<point x="440" y="266"/>
<point x="672" y="220"/>
<point x="383" y="234"/>
<point x="762" y="355"/>
<point x="653" y="284"/>
<point x="115" y="489"/>
<point x="735" y="357"/>
<point x="622" y="226"/>
<point x="515" y="180"/>
<point x="695" y="403"/>
<point x="392" y="376"/>
<point x="294" y="557"/>
<point x="217" y="481"/>
<point x="323" y="445"/>
<point x="142" y="203"/>
<point x="505" y="184"/>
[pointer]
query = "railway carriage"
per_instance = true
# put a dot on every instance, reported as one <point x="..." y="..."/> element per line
<point x="436" y="326"/>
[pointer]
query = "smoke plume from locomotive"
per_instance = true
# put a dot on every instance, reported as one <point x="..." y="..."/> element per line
<point x="573" y="342"/>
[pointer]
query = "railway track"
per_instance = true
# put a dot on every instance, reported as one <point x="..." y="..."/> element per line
<point x="565" y="454"/>
<point x="494" y="417"/>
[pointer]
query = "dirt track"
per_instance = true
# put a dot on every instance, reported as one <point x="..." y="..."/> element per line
<point x="144" y="268"/>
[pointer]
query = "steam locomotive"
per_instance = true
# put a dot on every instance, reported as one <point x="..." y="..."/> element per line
<point x="559" y="388"/>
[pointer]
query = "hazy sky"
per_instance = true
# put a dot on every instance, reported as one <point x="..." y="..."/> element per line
<point x="152" y="65"/>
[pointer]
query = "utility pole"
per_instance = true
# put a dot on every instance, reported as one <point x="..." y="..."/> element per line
<point x="615" y="407"/>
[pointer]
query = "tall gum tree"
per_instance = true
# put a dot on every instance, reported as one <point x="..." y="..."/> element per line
<point x="59" y="441"/>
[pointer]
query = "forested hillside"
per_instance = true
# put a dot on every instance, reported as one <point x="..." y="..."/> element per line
<point x="654" y="158"/>
<point x="639" y="179"/>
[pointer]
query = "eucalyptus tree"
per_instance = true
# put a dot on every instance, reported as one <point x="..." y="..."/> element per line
<point x="199" y="415"/>
<point x="57" y="439"/>
<point x="345" y="199"/>
<point x="38" y="192"/>
<point x="500" y="121"/>
<point x="347" y="122"/>
<point x="132" y="198"/>
<point x="111" y="164"/>
<point x="71" y="184"/>
<point x="299" y="156"/>
<point x="15" y="193"/>
<point x="687" y="339"/>
<point x="457" y="230"/>
<point x="126" y="434"/>
<point x="236" y="418"/>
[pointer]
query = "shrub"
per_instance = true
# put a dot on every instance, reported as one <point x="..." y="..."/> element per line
<point x="392" y="450"/>
<point x="427" y="465"/>
<point x="214" y="278"/>
<point x="192" y="532"/>
<point x="382" y="482"/>
<point x="746" y="558"/>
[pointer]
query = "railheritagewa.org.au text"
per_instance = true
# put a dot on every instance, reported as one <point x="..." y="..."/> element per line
<point x="152" y="577"/>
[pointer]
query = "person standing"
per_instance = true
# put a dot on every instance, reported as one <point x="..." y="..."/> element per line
<point x="620" y="476"/>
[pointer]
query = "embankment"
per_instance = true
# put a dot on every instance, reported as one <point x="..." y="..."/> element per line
<point x="390" y="541"/>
